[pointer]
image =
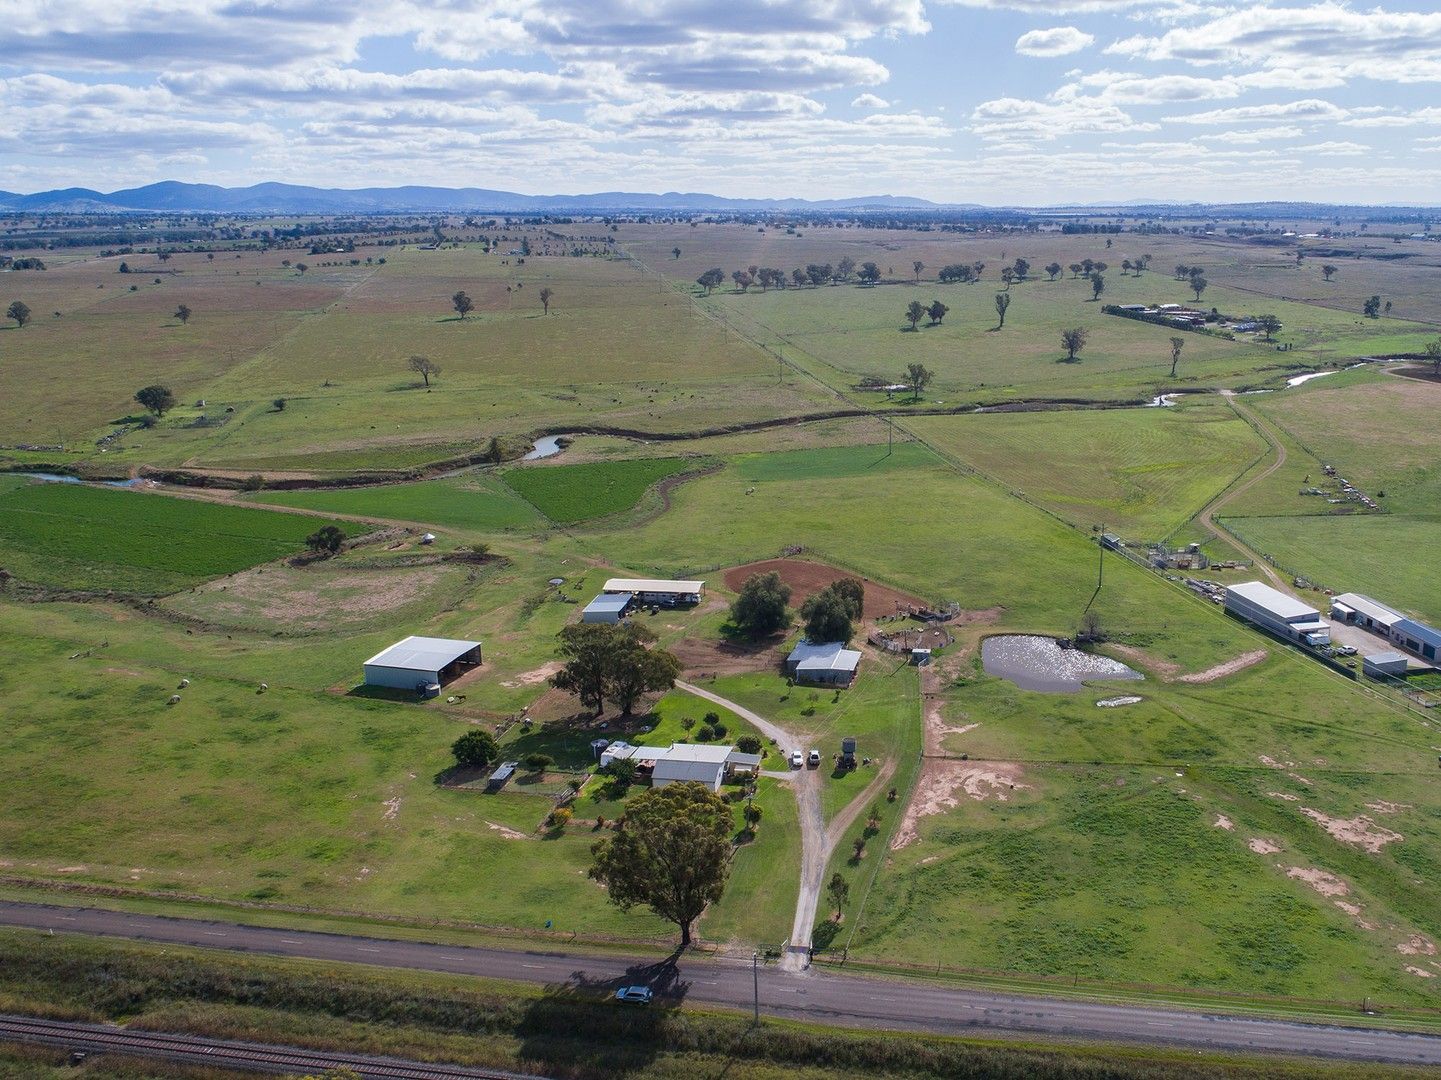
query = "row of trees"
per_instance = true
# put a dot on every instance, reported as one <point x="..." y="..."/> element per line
<point x="464" y="305"/>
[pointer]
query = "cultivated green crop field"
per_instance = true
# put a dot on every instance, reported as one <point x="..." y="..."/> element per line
<point x="1255" y="824"/>
<point x="71" y="536"/>
<point x="567" y="494"/>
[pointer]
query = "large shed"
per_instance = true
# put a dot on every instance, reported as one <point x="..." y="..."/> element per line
<point x="826" y="664"/>
<point x="1363" y="611"/>
<point x="658" y="590"/>
<point x="1417" y="638"/>
<point x="1273" y="610"/>
<point x="607" y="608"/>
<point x="418" y="662"/>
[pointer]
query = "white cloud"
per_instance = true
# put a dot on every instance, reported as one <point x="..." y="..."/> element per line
<point x="1057" y="41"/>
<point x="870" y="101"/>
<point x="1016" y="118"/>
<point x="1311" y="109"/>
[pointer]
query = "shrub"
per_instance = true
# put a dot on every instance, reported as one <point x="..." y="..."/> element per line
<point x="560" y="817"/>
<point x="705" y="733"/>
<point x="749" y="744"/>
<point x="538" y="762"/>
<point x="254" y="482"/>
<point x="719" y="729"/>
<point x="475" y="749"/>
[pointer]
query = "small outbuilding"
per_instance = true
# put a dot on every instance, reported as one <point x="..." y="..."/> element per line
<point x="607" y="608"/>
<point x="827" y="664"/>
<point x="1384" y="665"/>
<point x="420" y="662"/>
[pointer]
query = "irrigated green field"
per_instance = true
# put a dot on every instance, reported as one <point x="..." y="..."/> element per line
<point x="469" y="502"/>
<point x="567" y="494"/>
<point x="70" y="536"/>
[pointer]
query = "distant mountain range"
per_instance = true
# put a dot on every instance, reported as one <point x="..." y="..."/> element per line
<point x="172" y="196"/>
<point x="175" y="197"/>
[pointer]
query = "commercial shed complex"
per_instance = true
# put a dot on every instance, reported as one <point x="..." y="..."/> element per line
<point x="417" y="663"/>
<point x="1418" y="639"/>
<point x="1273" y="610"/>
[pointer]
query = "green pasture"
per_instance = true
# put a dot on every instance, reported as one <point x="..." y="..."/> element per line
<point x="474" y="502"/>
<point x="79" y="537"/>
<point x="1141" y="472"/>
<point x="567" y="494"/>
<point x="1388" y="556"/>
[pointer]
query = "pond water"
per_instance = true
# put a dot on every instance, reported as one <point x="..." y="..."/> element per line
<point x="546" y="446"/>
<point x="57" y="478"/>
<point x="1034" y="662"/>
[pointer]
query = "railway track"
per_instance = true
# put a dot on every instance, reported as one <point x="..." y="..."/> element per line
<point x="244" y="1056"/>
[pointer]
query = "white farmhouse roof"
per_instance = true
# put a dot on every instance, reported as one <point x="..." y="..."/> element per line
<point x="422" y="653"/>
<point x="610" y="602"/>
<point x="650" y="585"/>
<point x="1276" y="602"/>
<point x="679" y="769"/>
<point x="1372" y="609"/>
<point x="829" y="656"/>
<point x="696" y="753"/>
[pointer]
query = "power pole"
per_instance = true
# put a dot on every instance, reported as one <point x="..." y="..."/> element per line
<point x="1101" y="552"/>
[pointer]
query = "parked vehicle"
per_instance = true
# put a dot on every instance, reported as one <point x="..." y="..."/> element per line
<point x="796" y="759"/>
<point x="635" y="995"/>
<point x="813" y="759"/>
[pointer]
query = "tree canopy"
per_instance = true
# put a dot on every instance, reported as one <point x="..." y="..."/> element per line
<point x="423" y="366"/>
<point x="671" y="854"/>
<point x="1073" y="341"/>
<point x="475" y="749"/>
<point x="612" y="662"/>
<point x="918" y="377"/>
<point x="327" y="540"/>
<point x="760" y="608"/>
<point x="463" y="304"/>
<point x="157" y="399"/>
<point x="829" y="614"/>
<point x="19" y="311"/>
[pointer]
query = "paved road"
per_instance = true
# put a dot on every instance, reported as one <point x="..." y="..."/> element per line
<point x="820" y="997"/>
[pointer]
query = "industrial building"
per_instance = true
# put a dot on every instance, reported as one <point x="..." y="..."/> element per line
<point x="684" y="762"/>
<point x="1418" y="639"/>
<point x="828" y="664"/>
<point x="607" y="608"/>
<point x="1273" y="610"/>
<point x="1357" y="610"/>
<point x="658" y="590"/>
<point x="422" y="663"/>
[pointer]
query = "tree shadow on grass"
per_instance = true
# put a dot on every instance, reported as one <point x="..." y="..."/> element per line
<point x="577" y="1027"/>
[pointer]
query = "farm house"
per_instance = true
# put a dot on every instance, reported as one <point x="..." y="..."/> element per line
<point x="417" y="663"/>
<point x="1273" y="610"/>
<point x="661" y="591"/>
<point x="607" y="608"/>
<point x="828" y="664"/>
<point x="683" y="762"/>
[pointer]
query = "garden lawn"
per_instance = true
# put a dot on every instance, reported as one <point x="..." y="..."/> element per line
<point x="73" y="536"/>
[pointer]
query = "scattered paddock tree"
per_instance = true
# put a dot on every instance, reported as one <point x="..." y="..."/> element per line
<point x="18" y="310"/>
<point x="937" y="312"/>
<point x="671" y="854"/>
<point x="1328" y="270"/>
<point x="612" y="661"/>
<point x="1270" y="325"/>
<point x="1198" y="285"/>
<point x="838" y="890"/>
<point x="918" y="377"/>
<point x="1003" y="302"/>
<point x="475" y="749"/>
<point x="1372" y="307"/>
<point x="1098" y="284"/>
<point x="1177" y="344"/>
<point x="916" y="268"/>
<point x="157" y="399"/>
<point x="760" y="608"/>
<point x="183" y="314"/>
<point x="869" y="273"/>
<point x="1433" y="354"/>
<point x="915" y="312"/>
<point x="1073" y="341"/>
<point x="675" y="252"/>
<point x="423" y="366"/>
<point x="326" y="540"/>
<point x="710" y="279"/>
<point x="1053" y="269"/>
<point x="545" y="296"/>
<point x="462" y="303"/>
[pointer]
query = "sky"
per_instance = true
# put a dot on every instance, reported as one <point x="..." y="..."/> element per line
<point x="1001" y="102"/>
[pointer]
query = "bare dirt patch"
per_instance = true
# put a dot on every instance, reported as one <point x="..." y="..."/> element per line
<point x="1223" y="822"/>
<point x="713" y="655"/>
<point x="1228" y="667"/>
<point x="392" y="808"/>
<point x="1166" y="670"/>
<point x="1327" y="885"/>
<point x="1416" y="945"/>
<point x="1420" y="972"/>
<point x="508" y="833"/>
<point x="1381" y="806"/>
<point x="807" y="578"/>
<point x="534" y="678"/>
<point x="1262" y="847"/>
<point x="943" y="783"/>
<point x="1359" y="831"/>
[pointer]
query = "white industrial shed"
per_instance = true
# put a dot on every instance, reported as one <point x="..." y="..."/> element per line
<point x="1273" y="610"/>
<point x="418" y="662"/>
<point x="1381" y="665"/>
<point x="827" y="664"/>
<point x="658" y="590"/>
<point x="1363" y="611"/>
<point x="607" y="608"/>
